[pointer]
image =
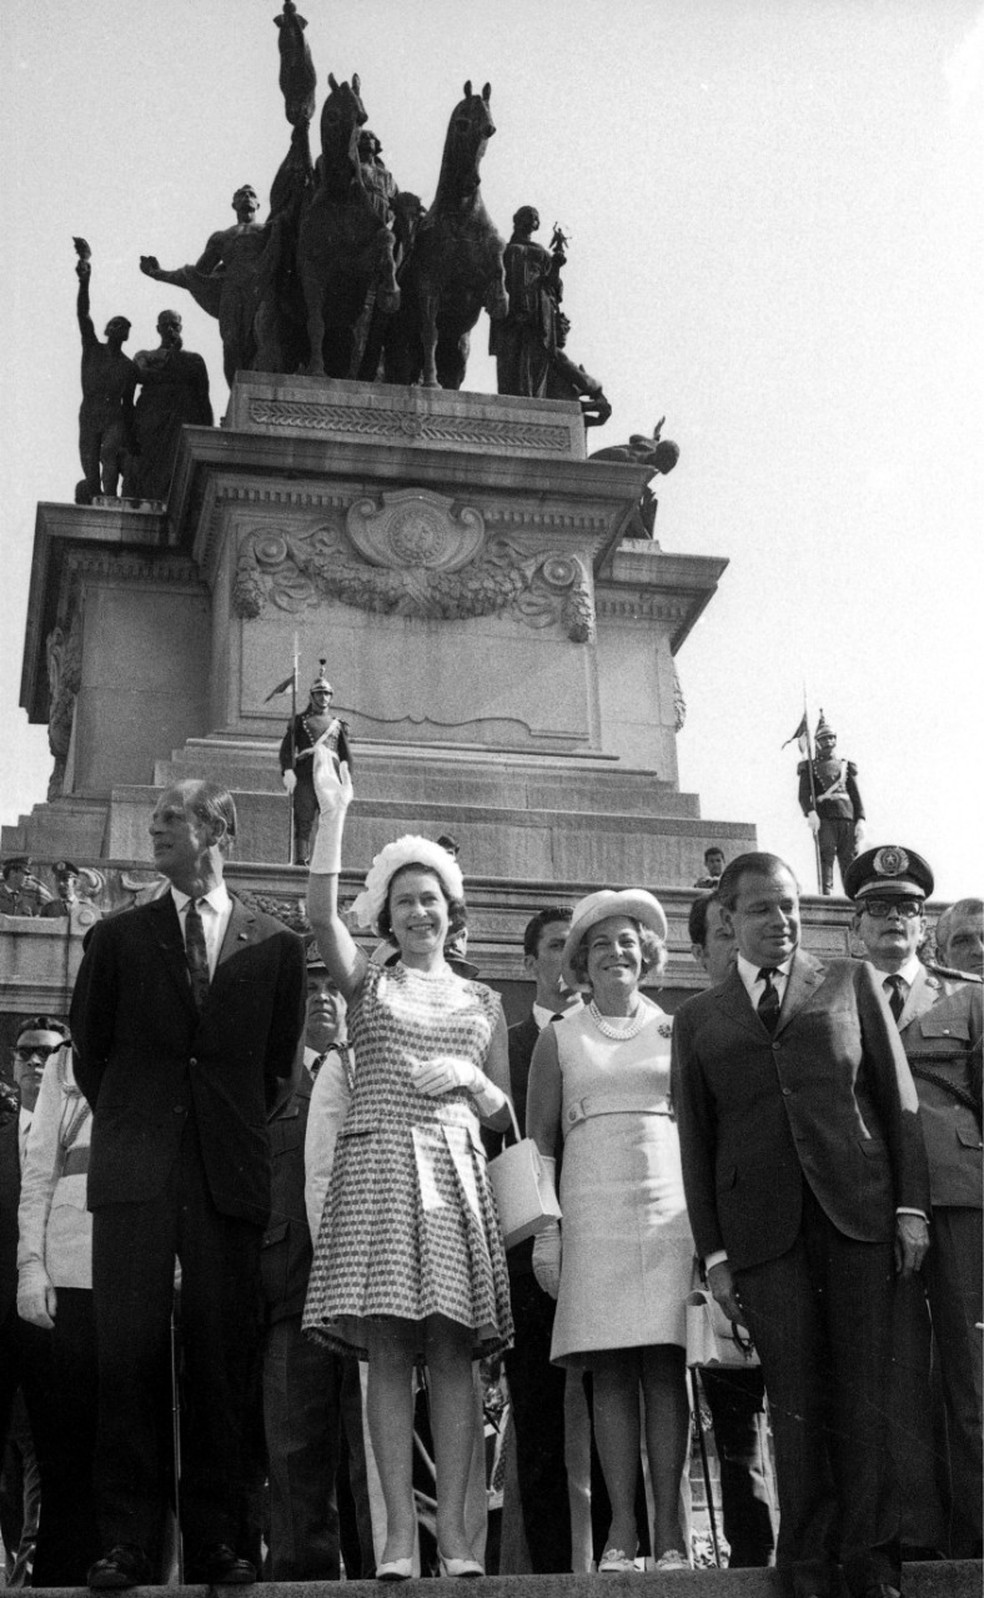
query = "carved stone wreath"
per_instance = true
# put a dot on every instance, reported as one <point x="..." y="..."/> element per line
<point x="412" y="556"/>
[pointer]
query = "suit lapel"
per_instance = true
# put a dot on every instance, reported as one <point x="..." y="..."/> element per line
<point x="242" y="929"/>
<point x="732" y="996"/>
<point x="805" y="976"/>
<point x="166" y="929"/>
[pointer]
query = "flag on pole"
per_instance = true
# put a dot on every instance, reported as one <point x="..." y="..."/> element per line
<point x="281" y="688"/>
<point x="801" y="737"/>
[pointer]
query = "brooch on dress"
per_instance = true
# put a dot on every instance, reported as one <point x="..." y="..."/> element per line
<point x="665" y="1029"/>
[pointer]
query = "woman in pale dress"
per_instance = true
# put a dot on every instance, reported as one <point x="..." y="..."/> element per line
<point x="409" y="1263"/>
<point x="620" y="1260"/>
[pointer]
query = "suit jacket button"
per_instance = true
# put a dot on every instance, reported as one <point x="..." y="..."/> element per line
<point x="787" y="1093"/>
<point x="193" y="1061"/>
<point x="179" y="1109"/>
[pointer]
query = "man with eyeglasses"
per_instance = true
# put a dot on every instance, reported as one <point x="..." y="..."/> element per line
<point x="941" y="1034"/>
<point x="23" y="1350"/>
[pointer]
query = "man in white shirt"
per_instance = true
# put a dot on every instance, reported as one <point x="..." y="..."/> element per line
<point x="186" y="1017"/>
<point x="805" y="1172"/>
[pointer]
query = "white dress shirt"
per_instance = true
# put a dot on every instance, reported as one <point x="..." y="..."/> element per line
<point x="215" y="908"/>
<point x="755" y="985"/>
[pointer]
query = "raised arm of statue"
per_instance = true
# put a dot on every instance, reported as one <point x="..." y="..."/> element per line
<point x="83" y="271"/>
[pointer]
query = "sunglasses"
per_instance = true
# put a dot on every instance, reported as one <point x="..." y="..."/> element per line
<point x="38" y="1051"/>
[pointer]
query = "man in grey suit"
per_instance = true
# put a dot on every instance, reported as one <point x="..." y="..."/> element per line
<point x="186" y="1016"/>
<point x="806" y="1183"/>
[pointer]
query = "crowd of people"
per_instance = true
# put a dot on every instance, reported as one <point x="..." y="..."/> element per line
<point x="253" y="1266"/>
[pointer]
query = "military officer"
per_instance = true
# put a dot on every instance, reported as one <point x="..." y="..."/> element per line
<point x="941" y="1034"/>
<point x="18" y="891"/>
<point x="67" y="881"/>
<point x="296" y="766"/>
<point x="830" y="801"/>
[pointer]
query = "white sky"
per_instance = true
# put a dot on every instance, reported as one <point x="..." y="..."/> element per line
<point x="776" y="212"/>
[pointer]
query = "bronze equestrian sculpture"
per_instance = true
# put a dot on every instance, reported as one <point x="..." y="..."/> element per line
<point x="455" y="267"/>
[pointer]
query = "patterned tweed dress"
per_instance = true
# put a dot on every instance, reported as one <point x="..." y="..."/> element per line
<point x="410" y="1226"/>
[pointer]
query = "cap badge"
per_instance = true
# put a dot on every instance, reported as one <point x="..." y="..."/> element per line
<point x="890" y="862"/>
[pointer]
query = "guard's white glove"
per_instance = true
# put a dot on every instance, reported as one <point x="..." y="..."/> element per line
<point x="813" y="822"/>
<point x="36" y="1298"/>
<point x="546" y="1258"/>
<point x="289" y="780"/>
<point x="333" y="789"/>
<point x="859" y="833"/>
<point x="432" y="1078"/>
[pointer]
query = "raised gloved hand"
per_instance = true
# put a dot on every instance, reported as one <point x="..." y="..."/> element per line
<point x="813" y="822"/>
<point x="333" y="788"/>
<point x="36" y="1298"/>
<point x="546" y="1258"/>
<point x="289" y="780"/>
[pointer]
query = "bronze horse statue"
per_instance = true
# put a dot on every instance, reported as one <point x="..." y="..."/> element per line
<point x="455" y="266"/>
<point x="344" y="249"/>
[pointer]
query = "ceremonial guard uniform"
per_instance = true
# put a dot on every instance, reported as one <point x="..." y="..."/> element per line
<point x="297" y="766"/>
<point x="832" y="805"/>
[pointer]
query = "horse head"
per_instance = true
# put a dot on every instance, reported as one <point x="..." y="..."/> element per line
<point x="469" y="130"/>
<point x="342" y="115"/>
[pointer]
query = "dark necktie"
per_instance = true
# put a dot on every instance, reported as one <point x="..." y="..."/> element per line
<point x="768" y="1005"/>
<point x="895" y="988"/>
<point x="197" y="953"/>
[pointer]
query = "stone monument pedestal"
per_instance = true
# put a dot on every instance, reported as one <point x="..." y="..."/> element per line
<point x="502" y="654"/>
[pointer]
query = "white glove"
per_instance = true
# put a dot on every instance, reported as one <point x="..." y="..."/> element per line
<point x="546" y="1258"/>
<point x="289" y="780"/>
<point x="334" y="793"/>
<point x="859" y="832"/>
<point x="813" y="822"/>
<point x="432" y="1078"/>
<point x="36" y="1298"/>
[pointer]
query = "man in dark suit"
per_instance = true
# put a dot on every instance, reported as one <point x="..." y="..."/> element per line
<point x="186" y="1017"/>
<point x="735" y="1397"/>
<point x="804" y="1170"/>
<point x="536" y="1388"/>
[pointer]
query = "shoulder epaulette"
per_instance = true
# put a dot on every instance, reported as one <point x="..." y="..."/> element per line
<point x="951" y="974"/>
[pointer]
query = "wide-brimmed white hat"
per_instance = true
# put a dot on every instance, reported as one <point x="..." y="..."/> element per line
<point x="634" y="902"/>
<point x="405" y="851"/>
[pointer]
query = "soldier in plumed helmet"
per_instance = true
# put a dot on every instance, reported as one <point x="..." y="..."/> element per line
<point x="316" y="721"/>
<point x="830" y="801"/>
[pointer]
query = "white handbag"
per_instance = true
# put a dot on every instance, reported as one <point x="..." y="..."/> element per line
<point x="524" y="1198"/>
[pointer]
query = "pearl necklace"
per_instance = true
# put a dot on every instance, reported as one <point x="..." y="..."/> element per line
<point x="636" y="1023"/>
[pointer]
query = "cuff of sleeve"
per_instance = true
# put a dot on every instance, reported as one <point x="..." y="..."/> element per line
<point x="904" y="1209"/>
<point x="717" y="1258"/>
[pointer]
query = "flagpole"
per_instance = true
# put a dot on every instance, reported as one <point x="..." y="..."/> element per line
<point x="293" y="758"/>
<point x="813" y="792"/>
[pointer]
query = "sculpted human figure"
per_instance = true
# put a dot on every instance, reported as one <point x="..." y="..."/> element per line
<point x="108" y="381"/>
<point x="660" y="455"/>
<point x="174" y="392"/>
<point x="230" y="281"/>
<point x="525" y="340"/>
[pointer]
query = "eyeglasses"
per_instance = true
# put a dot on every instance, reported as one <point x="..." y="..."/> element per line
<point x="881" y="909"/>
<point x="38" y="1050"/>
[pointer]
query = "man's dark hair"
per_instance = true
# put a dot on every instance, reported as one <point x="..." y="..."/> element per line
<point x="752" y="864"/>
<point x="210" y="803"/>
<point x="697" y="919"/>
<point x="713" y="848"/>
<point x="42" y="1023"/>
<point x="535" y="926"/>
